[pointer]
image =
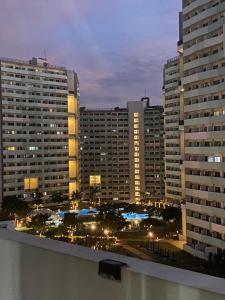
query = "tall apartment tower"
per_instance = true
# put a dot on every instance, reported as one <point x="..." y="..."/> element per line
<point x="38" y="128"/>
<point x="122" y="151"/>
<point x="204" y="113"/>
<point x="202" y="57"/>
<point x="173" y="189"/>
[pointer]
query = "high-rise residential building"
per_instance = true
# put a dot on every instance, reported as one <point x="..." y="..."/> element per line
<point x="122" y="152"/>
<point x="173" y="189"/>
<point x="202" y="59"/>
<point x="38" y="128"/>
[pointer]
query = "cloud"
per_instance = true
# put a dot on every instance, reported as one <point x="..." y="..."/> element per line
<point x="118" y="47"/>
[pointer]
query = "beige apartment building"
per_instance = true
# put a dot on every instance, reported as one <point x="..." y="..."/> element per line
<point x="38" y="128"/>
<point x="122" y="152"/>
<point x="172" y="136"/>
<point x="202" y="107"/>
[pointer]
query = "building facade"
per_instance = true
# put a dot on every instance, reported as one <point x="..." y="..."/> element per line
<point x="202" y="58"/>
<point x="172" y="137"/>
<point x="122" y="152"/>
<point x="38" y="128"/>
<point x="204" y="125"/>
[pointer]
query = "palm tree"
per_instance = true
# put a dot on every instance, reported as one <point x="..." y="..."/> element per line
<point x="145" y="198"/>
<point x="37" y="198"/>
<point x="95" y="195"/>
<point x="75" y="199"/>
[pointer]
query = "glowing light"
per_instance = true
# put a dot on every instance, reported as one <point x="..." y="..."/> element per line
<point x="150" y="234"/>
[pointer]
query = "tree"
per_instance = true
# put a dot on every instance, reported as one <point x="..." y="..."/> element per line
<point x="113" y="221"/>
<point x="38" y="222"/>
<point x="171" y="213"/>
<point x="70" y="221"/>
<point x="15" y="207"/>
<point x="57" y="197"/>
<point x="145" y="198"/>
<point x="95" y="195"/>
<point x="75" y="199"/>
<point x="37" y="198"/>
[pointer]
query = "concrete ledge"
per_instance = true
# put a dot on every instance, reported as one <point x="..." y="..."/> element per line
<point x="34" y="268"/>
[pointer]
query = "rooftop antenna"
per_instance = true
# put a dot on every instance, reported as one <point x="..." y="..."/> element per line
<point x="45" y="55"/>
<point x="145" y="92"/>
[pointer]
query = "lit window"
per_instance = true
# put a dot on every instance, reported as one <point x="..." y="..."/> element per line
<point x="136" y="143"/>
<point x="136" y="137"/>
<point x="136" y="131"/>
<point x="95" y="180"/>
<point x="136" y="160"/>
<point x="137" y="182"/>
<point x="137" y="176"/>
<point x="136" y="126"/>
<point x="71" y="125"/>
<point x="136" y="120"/>
<point x="136" y="115"/>
<point x="72" y="104"/>
<point x="216" y="113"/>
<point x="136" y="154"/>
<point x="137" y="171"/>
<point x="137" y="188"/>
<point x="72" y="168"/>
<point x="216" y="159"/>
<point x="137" y="194"/>
<point x="136" y="149"/>
<point x="72" y="187"/>
<point x="72" y="147"/>
<point x="30" y="183"/>
<point x="137" y="166"/>
<point x="11" y="148"/>
<point x="32" y="148"/>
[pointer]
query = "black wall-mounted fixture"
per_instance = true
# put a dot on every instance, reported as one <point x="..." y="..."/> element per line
<point x="111" y="269"/>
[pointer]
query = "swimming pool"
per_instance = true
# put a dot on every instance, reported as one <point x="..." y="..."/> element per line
<point x="90" y="212"/>
<point x="135" y="216"/>
<point x="83" y="212"/>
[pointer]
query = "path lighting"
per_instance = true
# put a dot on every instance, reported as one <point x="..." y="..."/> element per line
<point x="136" y="222"/>
<point x="93" y="227"/>
<point x="106" y="231"/>
<point x="151" y="235"/>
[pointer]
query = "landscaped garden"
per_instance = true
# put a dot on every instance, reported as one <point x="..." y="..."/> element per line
<point x="142" y="231"/>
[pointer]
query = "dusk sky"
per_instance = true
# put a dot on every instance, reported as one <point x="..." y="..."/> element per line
<point x="117" y="47"/>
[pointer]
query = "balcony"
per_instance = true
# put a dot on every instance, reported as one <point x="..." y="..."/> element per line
<point x="41" y="269"/>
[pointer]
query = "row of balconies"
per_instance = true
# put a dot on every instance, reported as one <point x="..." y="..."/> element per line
<point x="207" y="13"/>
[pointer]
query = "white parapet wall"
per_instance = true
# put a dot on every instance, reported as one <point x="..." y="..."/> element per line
<point x="34" y="268"/>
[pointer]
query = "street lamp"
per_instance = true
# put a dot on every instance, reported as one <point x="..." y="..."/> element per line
<point x="151" y="235"/>
<point x="106" y="232"/>
<point x="93" y="227"/>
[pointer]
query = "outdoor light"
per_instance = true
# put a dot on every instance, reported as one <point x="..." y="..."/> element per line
<point x="136" y="222"/>
<point x="150" y="234"/>
<point x="106" y="231"/>
<point x="93" y="227"/>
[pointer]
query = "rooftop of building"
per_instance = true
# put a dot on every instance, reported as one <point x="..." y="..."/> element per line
<point x="121" y="109"/>
<point x="37" y="268"/>
<point x="35" y="61"/>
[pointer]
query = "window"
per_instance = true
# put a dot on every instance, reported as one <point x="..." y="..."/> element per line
<point x="30" y="183"/>
<point x="11" y="148"/>
<point x="216" y="159"/>
<point x="95" y="180"/>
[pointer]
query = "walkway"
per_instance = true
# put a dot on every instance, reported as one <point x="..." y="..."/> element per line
<point x="136" y="252"/>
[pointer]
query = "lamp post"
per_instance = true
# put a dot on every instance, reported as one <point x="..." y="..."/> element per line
<point x="151" y="235"/>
